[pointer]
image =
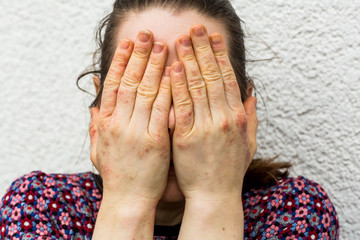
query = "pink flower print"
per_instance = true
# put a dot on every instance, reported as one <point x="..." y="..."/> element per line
<point x="328" y="205"/>
<point x="299" y="184"/>
<point x="41" y="203"/>
<point x="41" y="229"/>
<point x="326" y="220"/>
<point x="15" y="199"/>
<point x="12" y="229"/>
<point x="272" y="231"/>
<point x="49" y="193"/>
<point x="301" y="212"/>
<point x="74" y="180"/>
<point x="77" y="192"/>
<point x="62" y="231"/>
<point x="301" y="226"/>
<point x="50" y="182"/>
<point x="277" y="202"/>
<point x="64" y="218"/>
<point x="304" y="198"/>
<point x="15" y="214"/>
<point x="24" y="186"/>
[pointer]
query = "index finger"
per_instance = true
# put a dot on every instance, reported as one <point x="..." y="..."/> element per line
<point x="113" y="77"/>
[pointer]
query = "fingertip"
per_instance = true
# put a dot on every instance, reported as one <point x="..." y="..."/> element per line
<point x="177" y="67"/>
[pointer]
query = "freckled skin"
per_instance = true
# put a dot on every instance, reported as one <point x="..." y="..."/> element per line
<point x="210" y="147"/>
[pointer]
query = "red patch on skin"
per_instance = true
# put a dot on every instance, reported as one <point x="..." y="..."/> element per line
<point x="93" y="131"/>
<point x="241" y="121"/>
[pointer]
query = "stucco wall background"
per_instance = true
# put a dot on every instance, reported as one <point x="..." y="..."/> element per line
<point x="311" y="89"/>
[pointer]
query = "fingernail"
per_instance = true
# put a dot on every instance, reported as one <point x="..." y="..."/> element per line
<point x="177" y="67"/>
<point x="185" y="42"/>
<point x="216" y="39"/>
<point x="144" y="35"/>
<point x="124" y="44"/>
<point x="158" y="47"/>
<point x="199" y="31"/>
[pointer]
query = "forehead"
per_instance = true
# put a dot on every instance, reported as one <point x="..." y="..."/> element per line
<point x="166" y="26"/>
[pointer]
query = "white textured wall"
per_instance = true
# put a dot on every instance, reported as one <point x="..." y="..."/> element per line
<point x="312" y="89"/>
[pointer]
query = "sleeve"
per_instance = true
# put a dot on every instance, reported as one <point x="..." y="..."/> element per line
<point x="299" y="209"/>
<point x="22" y="214"/>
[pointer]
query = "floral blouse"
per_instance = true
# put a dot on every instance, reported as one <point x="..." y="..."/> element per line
<point x="64" y="206"/>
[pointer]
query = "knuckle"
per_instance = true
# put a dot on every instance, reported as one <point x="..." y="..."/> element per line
<point x="196" y="79"/>
<point x="211" y="74"/>
<point x="188" y="58"/>
<point x="156" y="65"/>
<point x="203" y="47"/>
<point x="131" y="78"/>
<point x="146" y="91"/>
<point x="141" y="52"/>
<point x="120" y="60"/>
<point x="228" y="75"/>
<point x="221" y="54"/>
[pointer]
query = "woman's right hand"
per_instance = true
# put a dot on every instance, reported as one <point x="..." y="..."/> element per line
<point x="130" y="143"/>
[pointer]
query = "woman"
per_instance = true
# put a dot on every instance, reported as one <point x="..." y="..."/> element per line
<point x="173" y="135"/>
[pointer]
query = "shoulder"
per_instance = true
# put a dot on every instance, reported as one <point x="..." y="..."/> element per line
<point x="294" y="207"/>
<point x="54" y="201"/>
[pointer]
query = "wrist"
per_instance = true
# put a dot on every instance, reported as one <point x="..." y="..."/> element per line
<point x="217" y="219"/>
<point x="120" y="219"/>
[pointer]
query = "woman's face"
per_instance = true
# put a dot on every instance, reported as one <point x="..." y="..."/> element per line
<point x="167" y="28"/>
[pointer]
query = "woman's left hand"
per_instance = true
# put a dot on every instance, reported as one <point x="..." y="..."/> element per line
<point x="214" y="139"/>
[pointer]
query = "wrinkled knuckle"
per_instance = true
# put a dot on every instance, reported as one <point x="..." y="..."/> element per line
<point x="188" y="58"/>
<point x="195" y="79"/>
<point x="229" y="75"/>
<point x="121" y="61"/>
<point x="145" y="91"/>
<point x="211" y="74"/>
<point x="203" y="47"/>
<point x="131" y="78"/>
<point x="221" y="54"/>
<point x="141" y="52"/>
<point x="156" y="66"/>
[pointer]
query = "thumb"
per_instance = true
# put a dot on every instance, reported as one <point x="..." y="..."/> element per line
<point x="252" y="126"/>
<point x="93" y="132"/>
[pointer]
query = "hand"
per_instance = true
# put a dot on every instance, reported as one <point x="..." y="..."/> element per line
<point x="130" y="145"/>
<point x="214" y="138"/>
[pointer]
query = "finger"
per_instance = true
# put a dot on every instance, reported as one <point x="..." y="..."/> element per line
<point x="113" y="77"/>
<point x="93" y="132"/>
<point x="133" y="74"/>
<point x="252" y="124"/>
<point x="232" y="90"/>
<point x="149" y="85"/>
<point x="181" y="100"/>
<point x="161" y="108"/>
<point x="209" y="68"/>
<point x="195" y="82"/>
<point x="96" y="81"/>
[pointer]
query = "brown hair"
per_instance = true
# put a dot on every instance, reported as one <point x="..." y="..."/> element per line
<point x="261" y="171"/>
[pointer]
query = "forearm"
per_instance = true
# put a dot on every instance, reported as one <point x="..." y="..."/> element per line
<point x="119" y="221"/>
<point x="212" y="220"/>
